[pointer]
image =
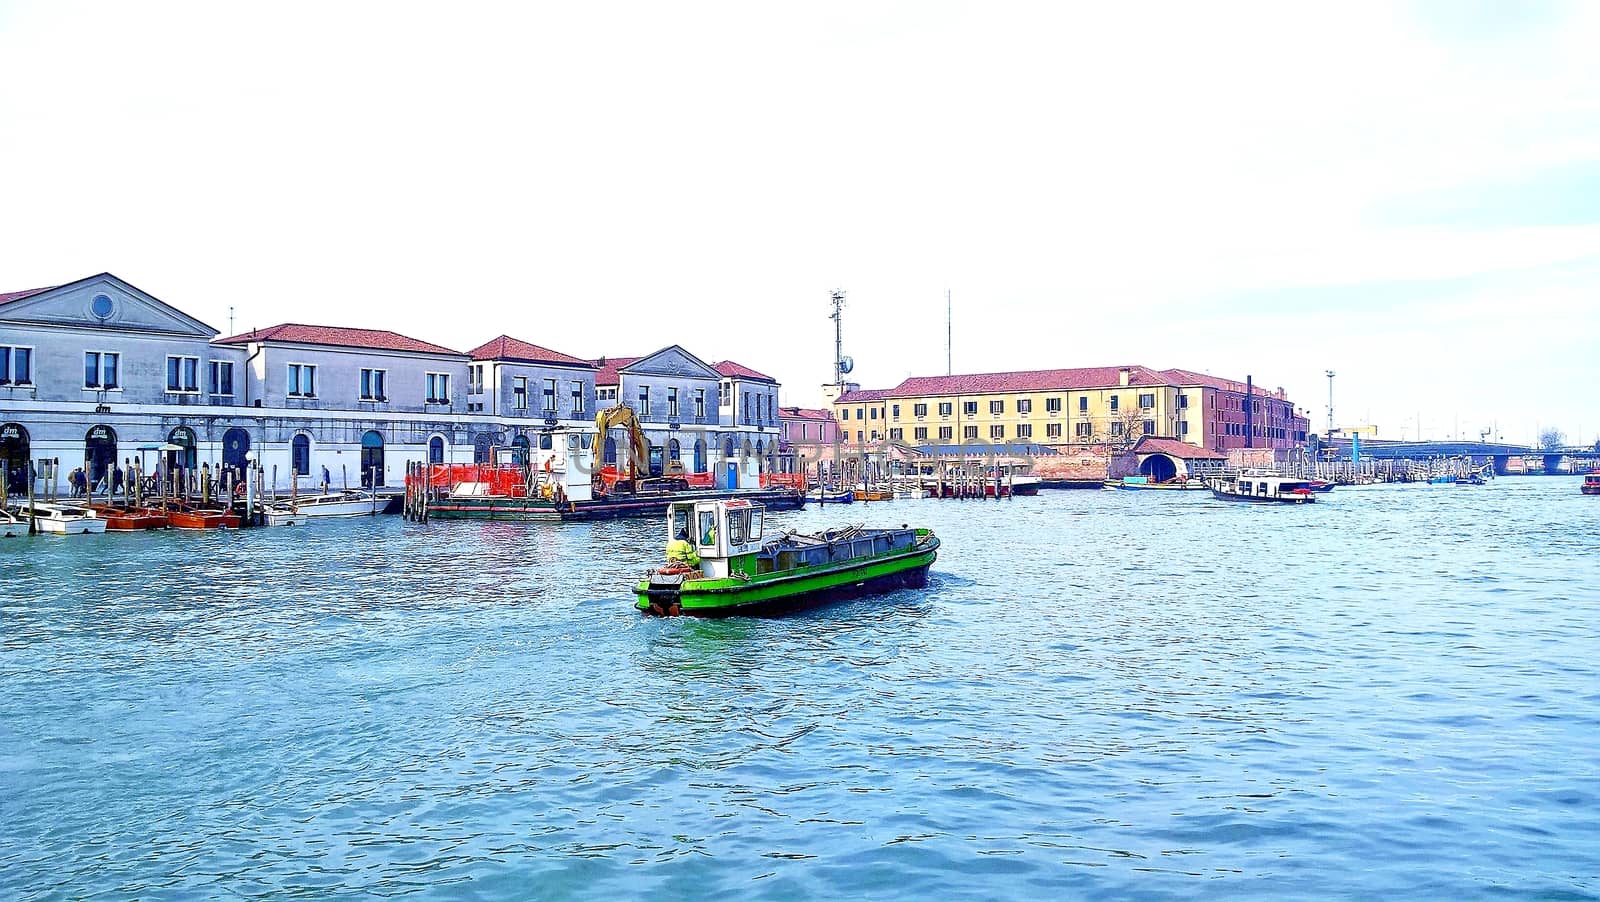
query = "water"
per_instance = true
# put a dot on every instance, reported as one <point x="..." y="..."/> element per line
<point x="1394" y="692"/>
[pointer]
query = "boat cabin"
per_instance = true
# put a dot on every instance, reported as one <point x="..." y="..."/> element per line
<point x="718" y="530"/>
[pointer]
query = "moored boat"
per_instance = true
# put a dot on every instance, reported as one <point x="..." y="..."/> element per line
<point x="718" y="563"/>
<point x="11" y="525"/>
<point x="121" y="519"/>
<point x="1591" y="483"/>
<point x="60" y="519"/>
<point x="1261" y="487"/>
<point x="830" y="496"/>
<point x="296" y="511"/>
<point x="189" y="516"/>
<point x="1143" y="483"/>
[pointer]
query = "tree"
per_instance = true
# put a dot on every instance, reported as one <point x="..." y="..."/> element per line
<point x="1551" y="438"/>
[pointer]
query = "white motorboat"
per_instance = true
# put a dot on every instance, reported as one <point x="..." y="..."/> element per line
<point x="1261" y="486"/>
<point x="11" y="525"/>
<point x="59" y="519"/>
<point x="313" y="507"/>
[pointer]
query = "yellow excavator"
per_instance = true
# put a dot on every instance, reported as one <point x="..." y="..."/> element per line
<point x="639" y="447"/>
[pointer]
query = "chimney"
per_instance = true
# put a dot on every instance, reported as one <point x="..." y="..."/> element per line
<point x="1123" y="376"/>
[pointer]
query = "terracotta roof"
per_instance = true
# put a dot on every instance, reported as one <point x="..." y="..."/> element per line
<point x="339" y="337"/>
<point x="739" y="371"/>
<point x="864" y="394"/>
<point x="805" y="413"/>
<point x="1029" y="380"/>
<point x="507" y="348"/>
<point x="1175" y="448"/>
<point x="1190" y="377"/>
<point x="8" y="297"/>
<point x="608" y="367"/>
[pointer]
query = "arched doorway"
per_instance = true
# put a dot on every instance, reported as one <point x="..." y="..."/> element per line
<point x="300" y="454"/>
<point x="727" y="448"/>
<point x="183" y="437"/>
<point x="519" y="450"/>
<point x="372" y="459"/>
<point x="674" y="451"/>
<point x="15" y="450"/>
<point x="436" y="450"/>
<point x="699" y="455"/>
<point x="99" y="452"/>
<point x="480" y="448"/>
<point x="235" y="445"/>
<point x="1158" y="467"/>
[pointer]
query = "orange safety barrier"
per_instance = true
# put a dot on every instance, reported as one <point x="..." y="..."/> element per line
<point x="796" y="481"/>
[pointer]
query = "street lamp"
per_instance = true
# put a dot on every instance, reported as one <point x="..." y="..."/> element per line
<point x="1330" y="405"/>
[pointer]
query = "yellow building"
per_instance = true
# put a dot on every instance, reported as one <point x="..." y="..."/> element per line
<point x="1113" y="406"/>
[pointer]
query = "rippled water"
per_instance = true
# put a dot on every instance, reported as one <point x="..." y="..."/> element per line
<point x="1396" y="691"/>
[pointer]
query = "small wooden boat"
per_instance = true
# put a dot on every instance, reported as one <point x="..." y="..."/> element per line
<point x="830" y="496"/>
<point x="60" y="519"/>
<point x="189" y="516"/>
<point x="1591" y="483"/>
<point x="1144" y="483"/>
<point x="297" y="511"/>
<point x="1261" y="487"/>
<point x="718" y="563"/>
<point x="129" y="518"/>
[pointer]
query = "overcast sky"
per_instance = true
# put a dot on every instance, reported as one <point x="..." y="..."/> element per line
<point x="1408" y="194"/>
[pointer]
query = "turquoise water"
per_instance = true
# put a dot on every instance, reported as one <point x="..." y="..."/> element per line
<point x="1395" y="692"/>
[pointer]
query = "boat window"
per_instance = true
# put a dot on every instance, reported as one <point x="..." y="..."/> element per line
<point x="680" y="523"/>
<point x="755" y="525"/>
<point x="708" y="528"/>
<point x="736" y="524"/>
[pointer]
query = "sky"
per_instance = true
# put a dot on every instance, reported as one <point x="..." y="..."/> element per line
<point x="1407" y="194"/>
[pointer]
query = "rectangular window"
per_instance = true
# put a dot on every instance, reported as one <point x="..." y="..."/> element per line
<point x="970" y="408"/>
<point x="859" y="437"/>
<point x="1025" y="430"/>
<point x="946" y="433"/>
<point x="1083" y="403"/>
<point x="1183" y="402"/>
<point x="475" y="379"/>
<point x="861" y="413"/>
<point x="920" y="433"/>
<point x="969" y="432"/>
<point x="548" y="396"/>
<point x="222" y="378"/>
<point x="895" y="410"/>
<point x="1147" y="401"/>
<point x="438" y="388"/>
<point x="1082" y="430"/>
<point x="1149" y="427"/>
<point x="577" y="398"/>
<point x="1052" y="405"/>
<point x="1116" y="428"/>
<point x="725" y="394"/>
<point x="744" y="408"/>
<point x="946" y="408"/>
<point x="997" y="407"/>
<point x="519" y="392"/>
<point x="919" y="410"/>
<point x="998" y="430"/>
<point x="872" y="413"/>
<point x="672" y="402"/>
<point x="1052" y="430"/>
<point x="700" y="407"/>
<point x="105" y="374"/>
<point x="183" y="375"/>
<point x="644" y="400"/>
<point x="1113" y="403"/>
<point x="844" y="414"/>
<point x="91" y="369"/>
<point x="1025" y="405"/>
<point x="372" y="385"/>
<point x="895" y="434"/>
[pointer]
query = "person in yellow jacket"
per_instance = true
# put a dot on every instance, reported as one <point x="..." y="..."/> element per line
<point x="680" y="551"/>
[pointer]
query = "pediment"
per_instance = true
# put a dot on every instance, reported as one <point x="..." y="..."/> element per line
<point x="672" y="361"/>
<point x="104" y="302"/>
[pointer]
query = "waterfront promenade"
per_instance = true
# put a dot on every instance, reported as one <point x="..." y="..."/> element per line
<point x="1099" y="695"/>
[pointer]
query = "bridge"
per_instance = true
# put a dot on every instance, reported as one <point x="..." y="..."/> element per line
<point x="1499" y="453"/>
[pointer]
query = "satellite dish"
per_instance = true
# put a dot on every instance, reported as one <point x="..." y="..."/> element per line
<point x="846" y="364"/>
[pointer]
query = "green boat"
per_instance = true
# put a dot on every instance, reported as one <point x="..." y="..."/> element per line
<point x="718" y="563"/>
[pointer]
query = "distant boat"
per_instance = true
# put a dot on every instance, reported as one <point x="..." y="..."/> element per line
<point x="1591" y="483"/>
<point x="830" y="496"/>
<point x="1141" y="483"/>
<point x="1262" y="488"/>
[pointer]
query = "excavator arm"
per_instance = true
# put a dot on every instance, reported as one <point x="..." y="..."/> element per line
<point x="623" y="415"/>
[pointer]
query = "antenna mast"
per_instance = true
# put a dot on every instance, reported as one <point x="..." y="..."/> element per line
<point x="949" y="336"/>
<point x="838" y="339"/>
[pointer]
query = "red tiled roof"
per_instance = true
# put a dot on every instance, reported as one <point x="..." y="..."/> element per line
<point x="507" y="348"/>
<point x="865" y="394"/>
<point x="8" y="297"/>
<point x="1175" y="448"/>
<point x="804" y="413"/>
<point x="608" y="367"/>
<point x="739" y="371"/>
<point x="339" y="337"/>
<point x="1031" y="380"/>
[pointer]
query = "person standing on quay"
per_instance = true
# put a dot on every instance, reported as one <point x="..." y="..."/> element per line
<point x="325" y="479"/>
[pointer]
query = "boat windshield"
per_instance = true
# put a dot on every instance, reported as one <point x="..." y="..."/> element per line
<point x="737" y="522"/>
<point x="680" y="523"/>
<point x="708" y="528"/>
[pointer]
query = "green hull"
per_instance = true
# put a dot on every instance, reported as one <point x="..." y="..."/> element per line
<point x="906" y="568"/>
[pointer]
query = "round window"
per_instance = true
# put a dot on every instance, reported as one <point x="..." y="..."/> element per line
<point x="101" y="305"/>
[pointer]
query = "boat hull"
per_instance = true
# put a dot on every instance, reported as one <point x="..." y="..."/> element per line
<point x="202" y="520"/>
<point x="130" y="520"/>
<point x="775" y="593"/>
<point x="1590" y="489"/>
<point x="1307" y="498"/>
<point x="611" y="508"/>
<point x="72" y="526"/>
